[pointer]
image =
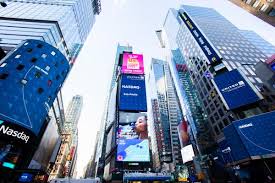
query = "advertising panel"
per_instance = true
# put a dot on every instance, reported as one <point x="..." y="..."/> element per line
<point x="183" y="132"/>
<point x="187" y="153"/>
<point x="133" y="150"/>
<point x="132" y="64"/>
<point x="252" y="137"/>
<point x="212" y="55"/>
<point x="182" y="173"/>
<point x="132" y="95"/>
<point x="132" y="135"/>
<point x="132" y="126"/>
<point x="235" y="90"/>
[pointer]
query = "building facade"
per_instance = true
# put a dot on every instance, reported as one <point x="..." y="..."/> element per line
<point x="68" y="148"/>
<point x="166" y="117"/>
<point x="211" y="47"/>
<point x="263" y="9"/>
<point x="67" y="30"/>
<point x="35" y="75"/>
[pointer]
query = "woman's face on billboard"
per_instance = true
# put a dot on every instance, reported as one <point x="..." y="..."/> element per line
<point x="141" y="124"/>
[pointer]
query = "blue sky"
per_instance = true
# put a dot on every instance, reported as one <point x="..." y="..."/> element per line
<point x="130" y="22"/>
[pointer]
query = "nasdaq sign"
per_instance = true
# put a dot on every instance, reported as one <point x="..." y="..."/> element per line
<point x="209" y="51"/>
<point x="235" y="90"/>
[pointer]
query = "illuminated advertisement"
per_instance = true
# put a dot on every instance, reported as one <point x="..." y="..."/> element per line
<point x="132" y="64"/>
<point x="133" y="150"/>
<point x="183" y="133"/>
<point x="209" y="51"/>
<point x="235" y="90"/>
<point x="132" y="126"/>
<point x="31" y="90"/>
<point x="26" y="177"/>
<point x="187" y="153"/>
<point x="132" y="138"/>
<point x="182" y="173"/>
<point x="132" y="95"/>
<point x="252" y="137"/>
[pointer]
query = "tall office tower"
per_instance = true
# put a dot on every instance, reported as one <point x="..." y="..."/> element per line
<point x="166" y="117"/>
<point x="267" y="48"/>
<point x="70" y="140"/>
<point x="109" y="111"/>
<point x="63" y="24"/>
<point x="92" y="165"/>
<point x="263" y="9"/>
<point x="220" y="62"/>
<point x="73" y="114"/>
<point x="31" y="87"/>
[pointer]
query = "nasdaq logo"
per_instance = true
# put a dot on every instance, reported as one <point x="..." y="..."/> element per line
<point x="14" y="133"/>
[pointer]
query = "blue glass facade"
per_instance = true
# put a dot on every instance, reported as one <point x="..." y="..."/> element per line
<point x="31" y="83"/>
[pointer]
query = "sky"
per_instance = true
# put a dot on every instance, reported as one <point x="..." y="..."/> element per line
<point x="130" y="22"/>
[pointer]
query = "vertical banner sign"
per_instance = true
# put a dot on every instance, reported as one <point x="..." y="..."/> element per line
<point x="132" y="64"/>
<point x="209" y="51"/>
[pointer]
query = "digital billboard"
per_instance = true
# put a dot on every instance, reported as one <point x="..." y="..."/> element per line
<point x="252" y="137"/>
<point x="132" y="64"/>
<point x="37" y="76"/>
<point x="136" y="128"/>
<point x="132" y="138"/>
<point x="183" y="132"/>
<point x="209" y="51"/>
<point x="133" y="150"/>
<point x="132" y="95"/>
<point x="235" y="90"/>
<point x="187" y="153"/>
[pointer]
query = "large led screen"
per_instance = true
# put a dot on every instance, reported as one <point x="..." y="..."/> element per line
<point x="132" y="138"/>
<point x="133" y="150"/>
<point x="251" y="137"/>
<point x="132" y="64"/>
<point x="183" y="133"/>
<point x="132" y="126"/>
<point x="132" y="95"/>
<point x="212" y="55"/>
<point x="235" y="90"/>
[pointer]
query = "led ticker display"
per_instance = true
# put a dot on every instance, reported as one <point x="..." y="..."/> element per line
<point x="132" y="64"/>
<point x="132" y="95"/>
<point x="213" y="57"/>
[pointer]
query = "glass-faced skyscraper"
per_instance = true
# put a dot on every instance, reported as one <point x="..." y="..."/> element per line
<point x="166" y="115"/>
<point x="225" y="38"/>
<point x="211" y="47"/>
<point x="63" y="24"/>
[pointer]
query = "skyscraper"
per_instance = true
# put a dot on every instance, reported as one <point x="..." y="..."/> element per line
<point x="68" y="149"/>
<point x="63" y="24"/>
<point x="213" y="48"/>
<point x="262" y="9"/>
<point x="32" y="84"/>
<point x="166" y="117"/>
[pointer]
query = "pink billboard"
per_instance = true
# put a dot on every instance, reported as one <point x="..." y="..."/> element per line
<point x="132" y="64"/>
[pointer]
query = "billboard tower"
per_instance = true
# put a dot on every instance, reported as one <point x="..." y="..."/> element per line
<point x="32" y="76"/>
